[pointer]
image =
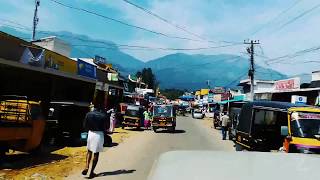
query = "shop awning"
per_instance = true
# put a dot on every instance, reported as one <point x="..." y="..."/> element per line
<point x="235" y="99"/>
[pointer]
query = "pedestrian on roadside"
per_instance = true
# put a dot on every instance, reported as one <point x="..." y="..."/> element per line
<point x="224" y="125"/>
<point x="147" y="122"/>
<point x="95" y="122"/>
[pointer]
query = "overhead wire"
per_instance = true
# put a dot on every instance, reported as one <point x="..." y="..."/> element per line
<point x="122" y="22"/>
<point x="297" y="17"/>
<point x="171" y="23"/>
<point x="277" y="16"/>
<point x="122" y="46"/>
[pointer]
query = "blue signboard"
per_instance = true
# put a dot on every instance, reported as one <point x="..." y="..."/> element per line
<point x="86" y="69"/>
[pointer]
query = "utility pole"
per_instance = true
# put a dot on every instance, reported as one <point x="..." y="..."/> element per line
<point x="250" y="50"/>
<point x="208" y="83"/>
<point x="35" y="19"/>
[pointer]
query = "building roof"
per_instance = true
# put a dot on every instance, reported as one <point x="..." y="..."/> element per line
<point x="87" y="60"/>
<point x="276" y="104"/>
<point x="294" y="90"/>
<point x="247" y="81"/>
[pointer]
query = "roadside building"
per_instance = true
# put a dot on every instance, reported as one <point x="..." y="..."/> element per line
<point x="260" y="86"/>
<point x="41" y="74"/>
<point x="287" y="90"/>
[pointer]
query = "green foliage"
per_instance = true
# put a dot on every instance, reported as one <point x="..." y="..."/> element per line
<point x="148" y="77"/>
<point x="172" y="93"/>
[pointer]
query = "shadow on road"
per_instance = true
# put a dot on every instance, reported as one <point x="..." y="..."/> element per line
<point x="135" y="129"/>
<point x="111" y="145"/>
<point x="117" y="172"/>
<point x="20" y="161"/>
<point x="177" y="131"/>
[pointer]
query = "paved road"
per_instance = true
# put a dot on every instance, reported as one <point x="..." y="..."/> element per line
<point x="133" y="158"/>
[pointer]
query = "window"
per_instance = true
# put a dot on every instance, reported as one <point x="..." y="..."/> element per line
<point x="259" y="117"/>
<point x="265" y="117"/>
<point x="271" y="117"/>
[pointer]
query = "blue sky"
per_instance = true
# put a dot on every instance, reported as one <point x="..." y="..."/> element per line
<point x="218" y="20"/>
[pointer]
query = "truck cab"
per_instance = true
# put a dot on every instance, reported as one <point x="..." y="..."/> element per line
<point x="21" y="124"/>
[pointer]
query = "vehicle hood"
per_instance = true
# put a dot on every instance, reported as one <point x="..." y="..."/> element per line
<point x="208" y="165"/>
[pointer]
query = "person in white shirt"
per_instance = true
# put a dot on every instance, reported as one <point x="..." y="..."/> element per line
<point x="224" y="125"/>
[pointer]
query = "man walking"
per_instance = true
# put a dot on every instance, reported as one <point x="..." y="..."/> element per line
<point x="224" y="125"/>
<point x="95" y="122"/>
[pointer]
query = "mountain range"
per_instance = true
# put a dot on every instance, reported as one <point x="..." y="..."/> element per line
<point x="179" y="70"/>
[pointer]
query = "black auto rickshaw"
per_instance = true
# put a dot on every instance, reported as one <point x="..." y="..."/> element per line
<point x="65" y="121"/>
<point x="133" y="117"/>
<point x="280" y="126"/>
<point x="164" y="116"/>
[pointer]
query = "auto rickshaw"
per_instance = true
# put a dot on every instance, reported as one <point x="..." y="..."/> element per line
<point x="164" y="116"/>
<point x="65" y="120"/>
<point x="133" y="117"/>
<point x="282" y="126"/>
<point x="21" y="124"/>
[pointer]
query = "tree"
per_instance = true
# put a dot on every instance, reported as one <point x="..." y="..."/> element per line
<point x="148" y="77"/>
<point x="172" y="93"/>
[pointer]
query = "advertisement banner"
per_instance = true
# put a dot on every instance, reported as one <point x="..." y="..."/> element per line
<point x="298" y="99"/>
<point x="86" y="69"/>
<point x="33" y="57"/>
<point x="218" y="90"/>
<point x="287" y="84"/>
<point x="59" y="62"/>
<point x="225" y="96"/>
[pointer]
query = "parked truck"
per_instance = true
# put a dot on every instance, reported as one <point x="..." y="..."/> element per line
<point x="21" y="124"/>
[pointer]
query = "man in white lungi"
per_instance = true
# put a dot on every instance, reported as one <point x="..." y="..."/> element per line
<point x="95" y="122"/>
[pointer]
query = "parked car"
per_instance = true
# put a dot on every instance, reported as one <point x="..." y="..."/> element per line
<point x="198" y="114"/>
<point x="272" y="125"/>
<point x="21" y="124"/>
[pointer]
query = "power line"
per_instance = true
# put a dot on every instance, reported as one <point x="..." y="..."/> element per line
<point x="297" y="17"/>
<point x="122" y="22"/>
<point x="120" y="46"/>
<point x="277" y="16"/>
<point x="158" y="48"/>
<point x="296" y="54"/>
<point x="169" y="22"/>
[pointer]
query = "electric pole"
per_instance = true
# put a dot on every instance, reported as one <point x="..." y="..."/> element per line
<point x="208" y="83"/>
<point x="250" y="50"/>
<point x="35" y="19"/>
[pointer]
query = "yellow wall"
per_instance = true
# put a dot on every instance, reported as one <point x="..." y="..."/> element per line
<point x="59" y="62"/>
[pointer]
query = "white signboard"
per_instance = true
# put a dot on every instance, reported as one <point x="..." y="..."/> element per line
<point x="298" y="99"/>
<point x="287" y="84"/>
